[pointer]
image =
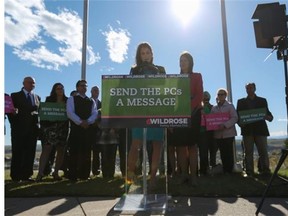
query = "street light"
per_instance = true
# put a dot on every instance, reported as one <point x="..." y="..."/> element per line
<point x="226" y="50"/>
<point x="237" y="167"/>
<point x="84" y="39"/>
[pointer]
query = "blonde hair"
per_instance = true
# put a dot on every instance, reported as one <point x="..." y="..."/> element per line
<point x="222" y="89"/>
<point x="218" y="91"/>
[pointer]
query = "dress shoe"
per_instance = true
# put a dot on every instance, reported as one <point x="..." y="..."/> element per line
<point x="96" y="173"/>
<point x="39" y="178"/>
<point x="56" y="177"/>
<point x="28" y="180"/>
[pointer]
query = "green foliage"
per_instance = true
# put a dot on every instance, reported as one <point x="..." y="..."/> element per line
<point x="286" y="143"/>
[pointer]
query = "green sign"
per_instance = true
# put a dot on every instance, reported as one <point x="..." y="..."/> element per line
<point x="251" y="115"/>
<point x="52" y="111"/>
<point x="145" y="101"/>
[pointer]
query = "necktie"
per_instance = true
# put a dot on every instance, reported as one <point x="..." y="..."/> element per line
<point x="29" y="101"/>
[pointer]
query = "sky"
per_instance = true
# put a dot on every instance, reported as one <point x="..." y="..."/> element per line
<point x="43" y="39"/>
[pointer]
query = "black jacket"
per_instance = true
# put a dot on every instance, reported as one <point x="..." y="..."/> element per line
<point x="27" y="117"/>
<point x="147" y="68"/>
<point x="258" y="128"/>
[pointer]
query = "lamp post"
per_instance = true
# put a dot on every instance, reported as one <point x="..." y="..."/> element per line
<point x="227" y="72"/>
<point x="226" y="50"/>
<point x="84" y="39"/>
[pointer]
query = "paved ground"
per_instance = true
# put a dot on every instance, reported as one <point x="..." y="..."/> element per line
<point x="177" y="206"/>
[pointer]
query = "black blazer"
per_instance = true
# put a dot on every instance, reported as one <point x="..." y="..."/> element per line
<point x="146" y="68"/>
<point x="27" y="117"/>
<point x="258" y="128"/>
<point x="98" y="104"/>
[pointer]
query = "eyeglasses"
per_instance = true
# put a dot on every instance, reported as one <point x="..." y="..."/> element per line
<point x="221" y="94"/>
<point x="83" y="85"/>
<point x="59" y="88"/>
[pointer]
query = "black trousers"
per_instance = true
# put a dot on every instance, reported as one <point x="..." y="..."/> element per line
<point x="226" y="152"/>
<point x="96" y="151"/>
<point x="23" y="152"/>
<point x="108" y="159"/>
<point x="80" y="142"/>
<point x="207" y="151"/>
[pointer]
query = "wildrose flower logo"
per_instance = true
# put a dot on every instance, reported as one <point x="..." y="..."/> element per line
<point x="148" y="121"/>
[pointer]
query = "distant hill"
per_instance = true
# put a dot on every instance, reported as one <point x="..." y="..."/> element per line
<point x="272" y="144"/>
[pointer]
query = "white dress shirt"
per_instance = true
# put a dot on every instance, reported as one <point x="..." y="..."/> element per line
<point x="70" y="108"/>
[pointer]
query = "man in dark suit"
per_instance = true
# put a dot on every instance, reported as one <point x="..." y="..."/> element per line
<point x="255" y="132"/>
<point x="96" y="148"/>
<point x="24" y="130"/>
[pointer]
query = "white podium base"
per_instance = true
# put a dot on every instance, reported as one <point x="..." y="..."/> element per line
<point x="141" y="202"/>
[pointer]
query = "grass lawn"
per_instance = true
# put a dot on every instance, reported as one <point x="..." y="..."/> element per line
<point x="221" y="185"/>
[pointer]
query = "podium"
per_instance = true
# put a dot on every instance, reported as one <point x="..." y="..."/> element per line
<point x="137" y="197"/>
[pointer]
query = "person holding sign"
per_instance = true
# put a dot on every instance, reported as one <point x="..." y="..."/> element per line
<point x="186" y="139"/>
<point x="254" y="129"/>
<point x="144" y="66"/>
<point x="54" y="132"/>
<point x="225" y="132"/>
<point x="9" y="108"/>
<point x="207" y="146"/>
<point x="24" y="130"/>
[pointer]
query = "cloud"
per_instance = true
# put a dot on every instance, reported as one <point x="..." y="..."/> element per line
<point x="117" y="43"/>
<point x="92" y="57"/>
<point x="48" y="40"/>
<point x="106" y="69"/>
<point x="278" y="133"/>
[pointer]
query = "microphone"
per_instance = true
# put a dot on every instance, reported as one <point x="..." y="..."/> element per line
<point x="148" y="68"/>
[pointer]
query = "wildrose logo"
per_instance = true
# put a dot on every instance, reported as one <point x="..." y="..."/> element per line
<point x="167" y="121"/>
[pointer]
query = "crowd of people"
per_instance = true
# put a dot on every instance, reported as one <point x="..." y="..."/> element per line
<point x="81" y="147"/>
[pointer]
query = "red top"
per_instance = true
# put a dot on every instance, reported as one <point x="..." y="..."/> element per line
<point x="196" y="86"/>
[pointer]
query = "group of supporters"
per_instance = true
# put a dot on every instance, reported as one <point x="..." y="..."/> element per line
<point x="79" y="145"/>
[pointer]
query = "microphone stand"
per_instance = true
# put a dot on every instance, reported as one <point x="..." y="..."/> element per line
<point x="285" y="59"/>
<point x="282" y="53"/>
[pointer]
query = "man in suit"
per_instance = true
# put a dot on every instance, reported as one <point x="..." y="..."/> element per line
<point x="255" y="132"/>
<point x="96" y="150"/>
<point x="24" y="131"/>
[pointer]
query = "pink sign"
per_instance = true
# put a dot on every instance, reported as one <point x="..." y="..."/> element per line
<point x="213" y="120"/>
<point x="9" y="107"/>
